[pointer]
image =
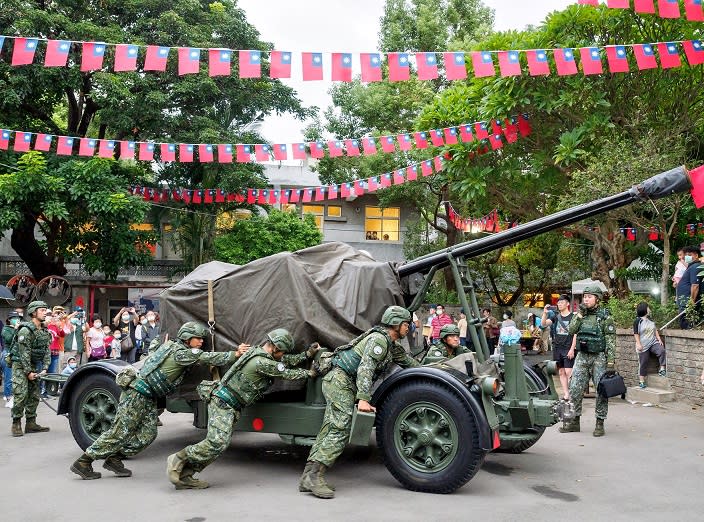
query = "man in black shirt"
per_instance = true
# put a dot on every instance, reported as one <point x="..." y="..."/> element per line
<point x="688" y="286"/>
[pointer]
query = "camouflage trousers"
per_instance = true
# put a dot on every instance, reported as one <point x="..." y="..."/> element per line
<point x="132" y="430"/>
<point x="26" y="394"/>
<point x="221" y="423"/>
<point x="588" y="365"/>
<point x="340" y="391"/>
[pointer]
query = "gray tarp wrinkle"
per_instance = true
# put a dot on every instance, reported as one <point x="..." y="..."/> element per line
<point x="671" y="182"/>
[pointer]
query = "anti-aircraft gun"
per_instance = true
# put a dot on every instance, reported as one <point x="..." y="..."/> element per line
<point x="434" y="424"/>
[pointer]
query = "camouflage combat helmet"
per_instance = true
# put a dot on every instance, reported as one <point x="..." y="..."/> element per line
<point x="190" y="330"/>
<point x="449" y="329"/>
<point x="281" y="339"/>
<point x="594" y="290"/>
<point x="35" y="305"/>
<point x="395" y="315"/>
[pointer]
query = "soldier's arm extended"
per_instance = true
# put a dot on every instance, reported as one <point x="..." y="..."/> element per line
<point x="373" y="355"/>
<point x="24" y="350"/>
<point x="400" y="357"/>
<point x="188" y="356"/>
<point x="610" y="337"/>
<point x="272" y="368"/>
<point x="294" y="359"/>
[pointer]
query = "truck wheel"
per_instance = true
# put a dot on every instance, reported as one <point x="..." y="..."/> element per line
<point x="534" y="383"/>
<point x="93" y="408"/>
<point x="428" y="437"/>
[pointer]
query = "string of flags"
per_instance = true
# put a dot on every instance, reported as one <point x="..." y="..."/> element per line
<point x="695" y="228"/>
<point x="665" y="8"/>
<point x="492" y="133"/>
<point x="426" y="65"/>
<point x="654" y="232"/>
<point x="488" y="223"/>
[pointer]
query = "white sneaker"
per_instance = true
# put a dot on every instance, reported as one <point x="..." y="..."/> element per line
<point x="10" y="403"/>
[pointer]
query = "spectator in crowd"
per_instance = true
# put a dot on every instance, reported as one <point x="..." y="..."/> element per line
<point x="508" y="319"/>
<point x="386" y="237"/>
<point x="415" y="332"/>
<point x="71" y="366"/>
<point x="563" y="343"/>
<point x="462" y="325"/>
<point x="647" y="341"/>
<point x="9" y="330"/>
<point x="126" y="320"/>
<point x="115" y="344"/>
<point x="75" y="335"/>
<point x="57" y="326"/>
<point x="491" y="328"/>
<point x="375" y="236"/>
<point x="95" y="338"/>
<point x="150" y="330"/>
<point x="429" y="323"/>
<point x="680" y="267"/>
<point x="440" y="320"/>
<point x="368" y="235"/>
<point x="536" y="333"/>
<point x="138" y="334"/>
<point x="688" y="287"/>
<point x="107" y="341"/>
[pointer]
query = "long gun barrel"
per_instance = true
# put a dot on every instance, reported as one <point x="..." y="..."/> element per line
<point x="662" y="185"/>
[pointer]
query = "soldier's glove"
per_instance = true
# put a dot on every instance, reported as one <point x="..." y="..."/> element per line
<point x="314" y="370"/>
<point x="312" y="350"/>
<point x="583" y="309"/>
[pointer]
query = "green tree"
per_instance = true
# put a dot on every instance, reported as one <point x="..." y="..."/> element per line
<point x="264" y="235"/>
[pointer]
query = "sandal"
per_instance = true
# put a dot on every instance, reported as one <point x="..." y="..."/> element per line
<point x="642" y="385"/>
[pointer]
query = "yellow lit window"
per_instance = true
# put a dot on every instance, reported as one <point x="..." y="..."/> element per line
<point x="318" y="211"/>
<point x="334" y="211"/>
<point x="382" y="224"/>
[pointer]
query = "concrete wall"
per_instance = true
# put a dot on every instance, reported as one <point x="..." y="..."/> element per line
<point x="685" y="360"/>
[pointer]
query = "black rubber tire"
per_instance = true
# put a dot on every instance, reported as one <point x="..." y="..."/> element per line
<point x="99" y="382"/>
<point x="466" y="462"/>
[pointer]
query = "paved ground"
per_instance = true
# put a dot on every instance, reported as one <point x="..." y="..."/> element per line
<point x="648" y="467"/>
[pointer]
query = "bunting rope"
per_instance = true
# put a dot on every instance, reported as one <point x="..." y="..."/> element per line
<point x="666" y="8"/>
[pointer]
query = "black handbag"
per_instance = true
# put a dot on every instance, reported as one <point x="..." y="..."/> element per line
<point x="611" y="386"/>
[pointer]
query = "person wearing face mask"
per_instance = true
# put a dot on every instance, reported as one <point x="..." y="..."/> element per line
<point x="70" y="367"/>
<point x="150" y="330"/>
<point x="688" y="285"/>
<point x="440" y="320"/>
<point x="9" y="330"/>
<point x="115" y="344"/>
<point x="508" y="319"/>
<point x="96" y="341"/>
<point x="126" y="320"/>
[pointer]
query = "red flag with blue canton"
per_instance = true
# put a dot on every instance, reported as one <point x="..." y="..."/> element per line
<point x="283" y="197"/>
<point x="23" y="51"/>
<point x="496" y="127"/>
<point x="524" y="126"/>
<point x="385" y="180"/>
<point x="538" y="62"/>
<point x="332" y="191"/>
<point x="156" y="58"/>
<point x="404" y="142"/>
<point x="261" y="152"/>
<point x="371" y="67"/>
<point x="426" y="168"/>
<point x="127" y="150"/>
<point x="197" y="196"/>
<point x="146" y="151"/>
<point x="86" y="147"/>
<point x="208" y="196"/>
<point x="359" y="187"/>
<point x="669" y="8"/>
<point x="186" y="196"/>
<point x="307" y="195"/>
<point x="372" y="184"/>
<point x="509" y="64"/>
<point x="219" y="62"/>
<point x="480" y="130"/>
<point x="694" y="51"/>
<point x="263" y="196"/>
<point x="188" y="60"/>
<point x="319" y="194"/>
<point x="644" y="6"/>
<point x="436" y="138"/>
<point x="693" y="10"/>
<point x="352" y="147"/>
<point x="511" y="130"/>
<point x="185" y="152"/>
<point x="438" y="163"/>
<point x="450" y="135"/>
<point x="427" y="64"/>
<point x="345" y="190"/>
<point x="224" y="153"/>
<point x="92" y="56"/>
<point x="22" y="141"/>
<point x="106" y="149"/>
<point x="205" y="153"/>
<point x="483" y="64"/>
<point x="299" y="151"/>
<point x="312" y="66"/>
<point x="399" y="68"/>
<point x="341" y="67"/>
<point x="280" y="152"/>
<point x="591" y="60"/>
<point x="669" y="56"/>
<point x="495" y="141"/>
<point x="43" y="142"/>
<point x="369" y="146"/>
<point x="412" y="173"/>
<point x="4" y="139"/>
<point x="250" y="62"/>
<point x="387" y="144"/>
<point x="645" y="56"/>
<point x="316" y="149"/>
<point x="176" y="195"/>
<point x="273" y="197"/>
<point x="168" y="152"/>
<point x="455" y="68"/>
<point x="280" y="64"/>
<point x="126" y="57"/>
<point x="421" y="139"/>
<point x="466" y="133"/>
<point x="398" y="177"/>
<point x="57" y="53"/>
<point x="334" y="148"/>
<point x="295" y="195"/>
<point x="564" y="61"/>
<point x="251" y="196"/>
<point x="244" y="153"/>
<point x="616" y="56"/>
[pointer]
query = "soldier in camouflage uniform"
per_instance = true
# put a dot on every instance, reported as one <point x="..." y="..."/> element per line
<point x="243" y="384"/>
<point x="596" y="345"/>
<point x="356" y="367"/>
<point x="134" y="426"/>
<point x="30" y="359"/>
<point x="448" y="346"/>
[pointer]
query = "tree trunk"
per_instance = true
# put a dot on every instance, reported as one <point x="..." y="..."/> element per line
<point x="30" y="251"/>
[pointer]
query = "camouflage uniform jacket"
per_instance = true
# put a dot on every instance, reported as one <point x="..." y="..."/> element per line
<point x="33" y="353"/>
<point x="604" y="321"/>
<point x="444" y="350"/>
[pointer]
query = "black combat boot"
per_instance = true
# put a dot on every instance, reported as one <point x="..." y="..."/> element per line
<point x="315" y="481"/>
<point x="33" y="427"/>
<point x="114" y="464"/>
<point x="570" y="426"/>
<point x="17" y="428"/>
<point x="599" y="429"/>
<point x="83" y="467"/>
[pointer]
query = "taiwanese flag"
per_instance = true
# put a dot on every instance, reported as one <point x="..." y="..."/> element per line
<point x="106" y="149"/>
<point x="43" y="142"/>
<point x="438" y="163"/>
<point x="197" y="196"/>
<point x="168" y="152"/>
<point x="125" y="57"/>
<point x="156" y="58"/>
<point x="398" y="177"/>
<point x="369" y="146"/>
<point x="371" y="67"/>
<point x="208" y="196"/>
<point x="372" y="184"/>
<point x="591" y="60"/>
<point x="205" y="153"/>
<point x="250" y="64"/>
<point x="694" y="51"/>
<point x="299" y="151"/>
<point x="427" y="64"/>
<point x="645" y="56"/>
<point x="669" y="8"/>
<point x="345" y="190"/>
<point x="334" y="148"/>
<point x="341" y="67"/>
<point x="359" y="187"/>
<point x="399" y="68"/>
<point x="92" y="56"/>
<point x="481" y="130"/>
<point x="421" y="139"/>
<point x="412" y="173"/>
<point x="450" y="135"/>
<point x="455" y="68"/>
<point x="244" y="153"/>
<point x="86" y="147"/>
<point x="263" y="196"/>
<point x="5" y="139"/>
<point x="22" y="141"/>
<point x="644" y="6"/>
<point x="186" y="196"/>
<point x="653" y="235"/>
<point x="495" y="141"/>
<point x="188" y="60"/>
<point x="251" y="196"/>
<point x="280" y="66"/>
<point x="332" y="191"/>
<point x="693" y="10"/>
<point x="312" y="66"/>
<point x="538" y="62"/>
<point x="57" y="53"/>
<point x="696" y="179"/>
<point x="483" y="64"/>
<point x="316" y="149"/>
<point x="509" y="64"/>
<point x="23" y="51"/>
<point x="185" y="152"/>
<point x="385" y="180"/>
<point x="261" y="152"/>
<point x="307" y="195"/>
<point x="224" y="153"/>
<point x="669" y="56"/>
<point x="352" y="147"/>
<point x="127" y="150"/>
<point x="631" y="234"/>
<point x="496" y="127"/>
<point x="146" y="151"/>
<point x="616" y="56"/>
<point x="219" y="62"/>
<point x="618" y="4"/>
<point x="466" y="133"/>
<point x="280" y="152"/>
<point x="524" y="126"/>
<point x="283" y="197"/>
<point x="564" y="60"/>
<point x="65" y="146"/>
<point x="404" y="142"/>
<point x="436" y="138"/>
<point x="176" y="195"/>
<point x="387" y="144"/>
<point x="319" y="194"/>
<point x="426" y="168"/>
<point x="511" y="130"/>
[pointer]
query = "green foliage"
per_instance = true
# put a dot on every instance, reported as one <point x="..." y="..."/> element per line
<point x="623" y="310"/>
<point x="261" y="236"/>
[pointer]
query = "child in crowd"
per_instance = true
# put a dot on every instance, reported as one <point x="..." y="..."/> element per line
<point x="116" y="341"/>
<point x="70" y="366"/>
